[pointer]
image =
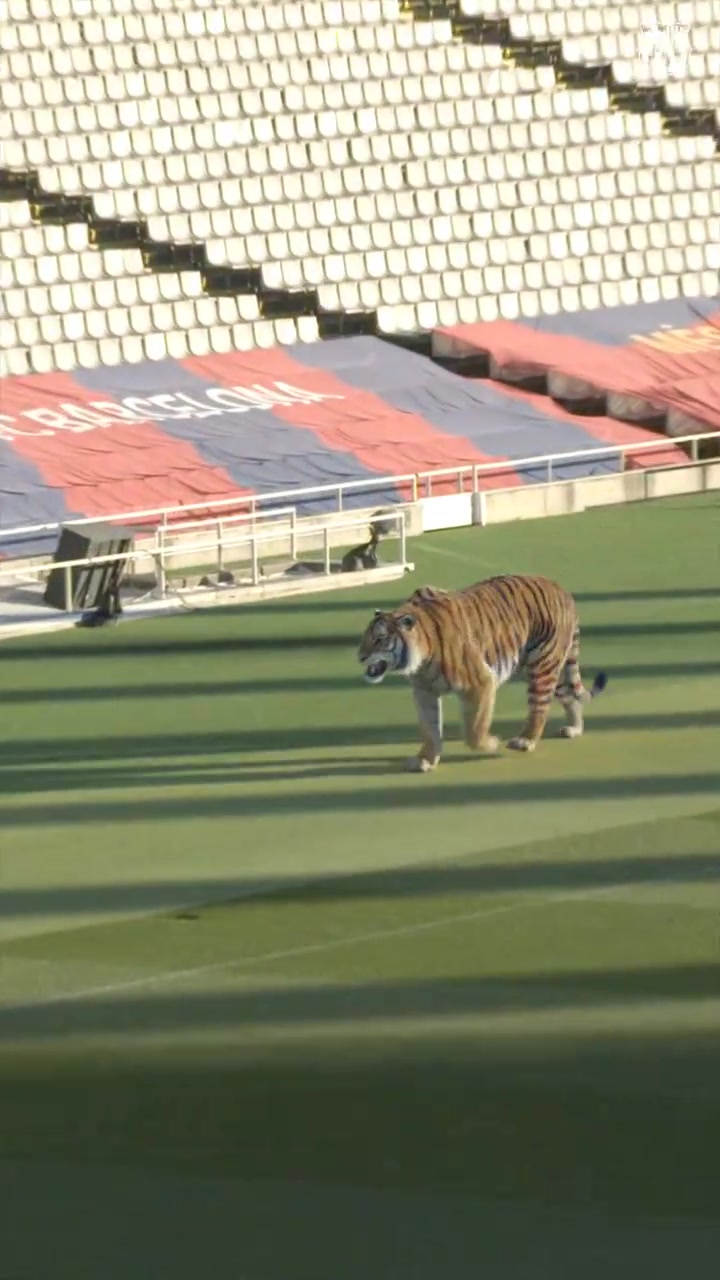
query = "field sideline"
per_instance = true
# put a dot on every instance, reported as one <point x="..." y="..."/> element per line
<point x="273" y="1008"/>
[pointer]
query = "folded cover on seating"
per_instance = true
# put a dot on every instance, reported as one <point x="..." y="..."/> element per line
<point x="136" y="437"/>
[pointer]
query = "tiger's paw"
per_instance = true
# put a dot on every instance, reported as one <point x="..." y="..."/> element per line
<point x="418" y="764"/>
<point x="570" y="731"/>
<point x="489" y="746"/>
<point x="521" y="744"/>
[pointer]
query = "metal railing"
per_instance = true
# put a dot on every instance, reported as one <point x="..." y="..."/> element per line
<point x="288" y="515"/>
<point x="420" y="484"/>
<point x="161" y="553"/>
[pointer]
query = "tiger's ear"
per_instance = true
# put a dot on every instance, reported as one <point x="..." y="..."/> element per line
<point x="378" y="613"/>
<point x="424" y="594"/>
<point x="407" y="622"/>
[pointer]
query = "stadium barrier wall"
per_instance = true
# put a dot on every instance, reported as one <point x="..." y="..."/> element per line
<point x="566" y="497"/>
<point x="453" y="511"/>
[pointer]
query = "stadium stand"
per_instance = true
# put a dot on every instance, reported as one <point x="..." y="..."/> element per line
<point x="181" y="177"/>
<point x="185" y="181"/>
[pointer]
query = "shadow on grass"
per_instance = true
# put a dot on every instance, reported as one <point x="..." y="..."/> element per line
<point x="656" y="860"/>
<point x="418" y="792"/>
<point x="620" y="630"/>
<point x="352" y="601"/>
<point x="245" y="685"/>
<point x="274" y="1004"/>
<point x="132" y="643"/>
<point x="157" y="751"/>
<point x="247" y="639"/>
<point x="650" y="593"/>
<point x="625" y="1125"/>
<point x="250" y="685"/>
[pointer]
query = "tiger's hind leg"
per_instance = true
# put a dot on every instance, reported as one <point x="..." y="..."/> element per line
<point x="572" y="705"/>
<point x="571" y="693"/>
<point x="543" y="673"/>
<point x="430" y="716"/>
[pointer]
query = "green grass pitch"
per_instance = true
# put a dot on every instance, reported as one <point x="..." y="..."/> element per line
<point x="272" y="1009"/>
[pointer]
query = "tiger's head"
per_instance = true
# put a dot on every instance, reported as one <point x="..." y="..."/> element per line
<point x="391" y="643"/>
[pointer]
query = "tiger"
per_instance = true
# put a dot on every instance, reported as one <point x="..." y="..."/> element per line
<point x="471" y="641"/>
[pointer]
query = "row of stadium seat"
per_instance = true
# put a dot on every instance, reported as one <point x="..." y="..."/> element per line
<point x="123" y="271"/>
<point x="253" y="67"/>
<point x="402" y="220"/>
<point x="526" y="97"/>
<point x="388" y="206"/>
<point x="339" y="253"/>
<point x="646" y="13"/>
<point x="132" y="189"/>
<point x="264" y="15"/>
<point x="83" y="163"/>
<point x="270" y="15"/>
<point x="320" y="167"/>
<point x="215" y="149"/>
<point x="33" y="355"/>
<point x="700" y="68"/>
<point x="36" y="355"/>
<point x="535" y="23"/>
<point x="37" y="136"/>
<point x="208" y="181"/>
<point x="370" y="86"/>
<point x="324" y="56"/>
<point x="112" y="38"/>
<point x="564" y="204"/>
<point x="220" y="65"/>
<point x="272" y="87"/>
<point x="125" y="302"/>
<point x="695" y="95"/>
<point x="301" y="15"/>
<point x="116" y="308"/>
<point x="624" y="27"/>
<point x="216" y="90"/>
<point x="287" y="44"/>
<point x="579" y="118"/>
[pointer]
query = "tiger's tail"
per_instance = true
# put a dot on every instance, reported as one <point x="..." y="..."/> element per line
<point x="598" y="684"/>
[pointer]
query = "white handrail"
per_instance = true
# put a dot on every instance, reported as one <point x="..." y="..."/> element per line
<point x="177" y="531"/>
<point x="475" y="469"/>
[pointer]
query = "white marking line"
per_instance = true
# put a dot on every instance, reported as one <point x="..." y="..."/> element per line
<point x="435" y="550"/>
<point x="310" y="949"/>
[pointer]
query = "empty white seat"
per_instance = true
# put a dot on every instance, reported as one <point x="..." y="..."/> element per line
<point x="341" y="146"/>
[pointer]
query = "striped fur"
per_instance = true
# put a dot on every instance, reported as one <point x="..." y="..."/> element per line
<point x="470" y="642"/>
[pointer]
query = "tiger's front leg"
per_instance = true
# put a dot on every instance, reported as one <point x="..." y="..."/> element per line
<point x="478" y="707"/>
<point x="430" y="716"/>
